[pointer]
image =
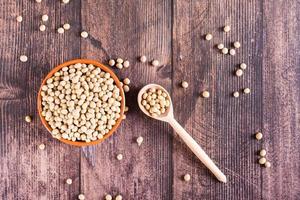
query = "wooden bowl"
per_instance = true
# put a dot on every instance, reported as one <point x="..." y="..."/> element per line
<point x="96" y="64"/>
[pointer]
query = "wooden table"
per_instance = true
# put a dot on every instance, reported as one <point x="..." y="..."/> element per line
<point x="172" y="32"/>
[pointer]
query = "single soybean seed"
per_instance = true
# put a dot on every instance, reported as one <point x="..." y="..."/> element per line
<point x="263" y="152"/>
<point x="126" y="109"/>
<point x="119" y="65"/>
<point x="236" y="94"/>
<point x="267" y="164"/>
<point x="247" y="90"/>
<point x="187" y="177"/>
<point x="120" y="60"/>
<point x="139" y="140"/>
<point x="111" y="62"/>
<point x="126" y="88"/>
<point x="232" y="52"/>
<point x="237" y="44"/>
<point x="60" y="30"/>
<point x="65" y="1"/>
<point x="119" y="197"/>
<point x="19" y="18"/>
<point x="184" y="84"/>
<point x="45" y="18"/>
<point x="155" y="63"/>
<point x="42" y="146"/>
<point x="126" y="81"/>
<point x="220" y="46"/>
<point x="84" y="34"/>
<point x="108" y="197"/>
<point x="205" y="94"/>
<point x="38" y="1"/>
<point x="258" y="135"/>
<point x="67" y="26"/>
<point x="208" y="36"/>
<point x="225" y="50"/>
<point x="243" y="66"/>
<point x="239" y="72"/>
<point x="23" y="58"/>
<point x="119" y="157"/>
<point x="42" y="27"/>
<point x="81" y="197"/>
<point x="69" y="181"/>
<point x="262" y="160"/>
<point x="226" y="28"/>
<point x="124" y="117"/>
<point x="143" y="59"/>
<point x="126" y="64"/>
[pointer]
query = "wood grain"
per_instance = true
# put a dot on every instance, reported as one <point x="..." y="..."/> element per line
<point x="173" y="32"/>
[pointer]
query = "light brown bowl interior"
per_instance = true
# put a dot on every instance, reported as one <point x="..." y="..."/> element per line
<point x="96" y="64"/>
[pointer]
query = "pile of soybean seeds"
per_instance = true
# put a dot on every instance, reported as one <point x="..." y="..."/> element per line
<point x="81" y="103"/>
<point x="155" y="101"/>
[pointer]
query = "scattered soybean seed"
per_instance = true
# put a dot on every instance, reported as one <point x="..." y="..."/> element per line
<point x="262" y="160"/>
<point x="237" y="44"/>
<point x="126" y="64"/>
<point x="263" y="153"/>
<point x="247" y="90"/>
<point x="42" y="146"/>
<point x="124" y="117"/>
<point x="208" y="36"/>
<point x="155" y="63"/>
<point x="232" y="52"/>
<point x="120" y="60"/>
<point x="258" y="135"/>
<point x="81" y="197"/>
<point x="111" y="62"/>
<point x="226" y="28"/>
<point x="69" y="181"/>
<point x="126" y="88"/>
<point x="38" y="1"/>
<point x="267" y="164"/>
<point x="225" y="50"/>
<point x="23" y="58"/>
<point x="239" y="72"/>
<point x="45" y="18"/>
<point x="60" y="30"/>
<point x="119" y="157"/>
<point x="19" y="18"/>
<point x="243" y="66"/>
<point x="184" y="84"/>
<point x="187" y="177"/>
<point x="220" y="46"/>
<point x="84" y="34"/>
<point x="28" y="119"/>
<point x="108" y="197"/>
<point x="67" y="26"/>
<point x="126" y="108"/>
<point x="42" y="27"/>
<point x="139" y="140"/>
<point x="205" y="94"/>
<point x="65" y="1"/>
<point x="236" y="94"/>
<point x="126" y="81"/>
<point x="143" y="59"/>
<point x="119" y="197"/>
<point x="119" y="65"/>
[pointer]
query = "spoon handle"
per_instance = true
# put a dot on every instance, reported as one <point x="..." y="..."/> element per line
<point x="197" y="150"/>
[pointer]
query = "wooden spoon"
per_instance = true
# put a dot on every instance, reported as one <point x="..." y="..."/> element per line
<point x="168" y="116"/>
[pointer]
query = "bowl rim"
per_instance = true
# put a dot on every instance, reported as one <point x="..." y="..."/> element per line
<point x="102" y="67"/>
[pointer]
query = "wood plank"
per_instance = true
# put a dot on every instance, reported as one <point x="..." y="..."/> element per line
<point x="129" y="29"/>
<point x="26" y="171"/>
<point x="281" y="102"/>
<point x="221" y="124"/>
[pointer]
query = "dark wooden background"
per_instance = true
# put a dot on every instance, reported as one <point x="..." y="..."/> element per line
<point x="167" y="30"/>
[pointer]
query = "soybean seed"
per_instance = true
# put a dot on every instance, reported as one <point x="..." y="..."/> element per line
<point x="108" y="197"/>
<point x="258" y="135"/>
<point x="184" y="84"/>
<point x="220" y="46"/>
<point x="60" y="30"/>
<point x="232" y="52"/>
<point x="226" y="28"/>
<point x="267" y="164"/>
<point x="239" y="72"/>
<point x="119" y="66"/>
<point x="119" y="197"/>
<point x="143" y="59"/>
<point x="155" y="63"/>
<point x="67" y="26"/>
<point x="205" y="94"/>
<point x="42" y="146"/>
<point x="28" y="119"/>
<point x="19" y="18"/>
<point x="225" y="50"/>
<point x="126" y="88"/>
<point x="237" y="44"/>
<point x="243" y="66"/>
<point x="38" y="1"/>
<point x="262" y="160"/>
<point x="119" y="157"/>
<point x="69" y="181"/>
<point x="208" y="36"/>
<point x="45" y="18"/>
<point x="187" y="177"/>
<point x="65" y="1"/>
<point x="139" y="140"/>
<point x="111" y="62"/>
<point x="23" y="58"/>
<point x="81" y="197"/>
<point x="42" y="27"/>
<point x="120" y="60"/>
<point x="247" y="90"/>
<point x="126" y="81"/>
<point x="84" y="34"/>
<point x="263" y="152"/>
<point x="236" y="94"/>
<point x="126" y="64"/>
